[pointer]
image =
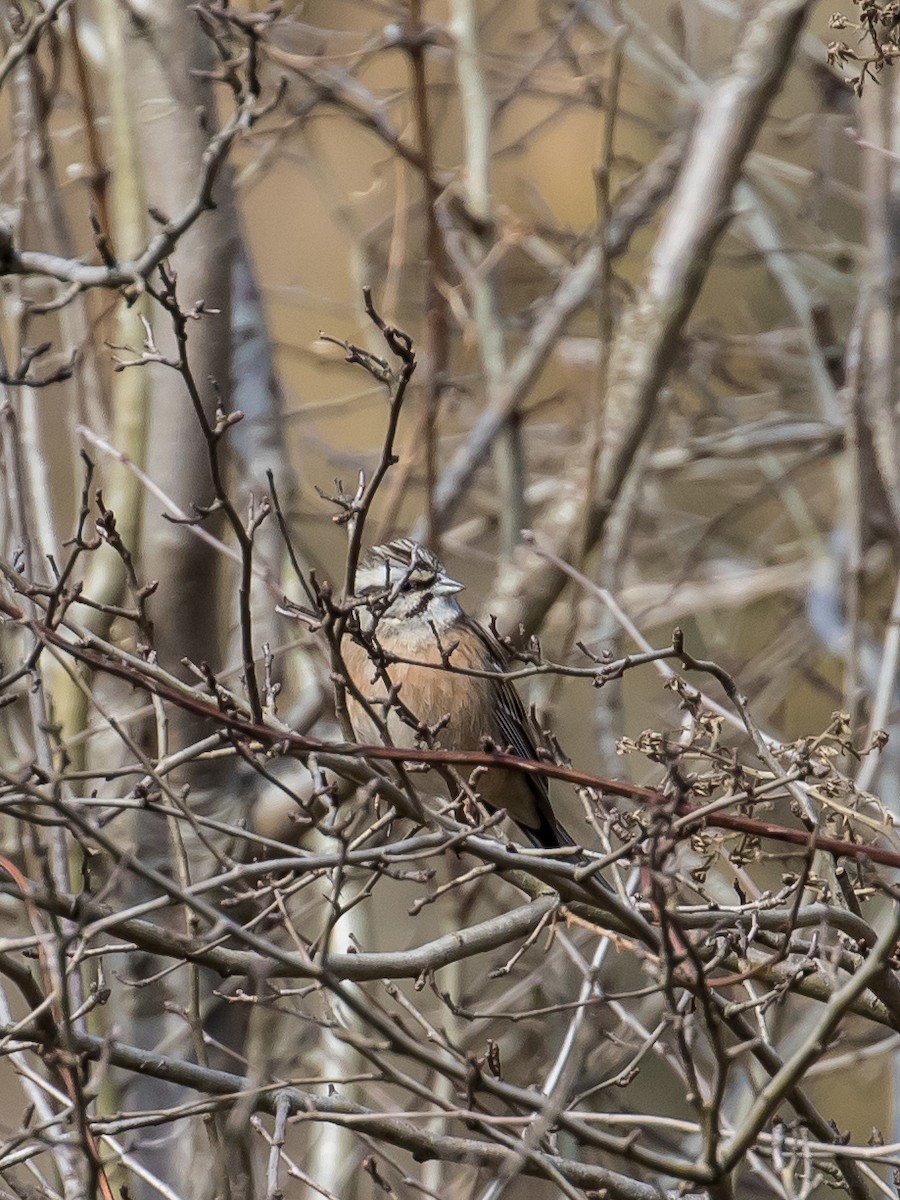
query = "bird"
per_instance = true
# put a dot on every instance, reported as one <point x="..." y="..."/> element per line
<point x="406" y="605"/>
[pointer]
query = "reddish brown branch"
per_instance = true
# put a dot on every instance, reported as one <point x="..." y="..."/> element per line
<point x="298" y="745"/>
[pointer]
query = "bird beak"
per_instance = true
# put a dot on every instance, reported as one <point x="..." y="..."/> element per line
<point x="445" y="586"/>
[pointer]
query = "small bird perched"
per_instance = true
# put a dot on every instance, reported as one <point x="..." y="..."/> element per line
<point x="409" y="609"/>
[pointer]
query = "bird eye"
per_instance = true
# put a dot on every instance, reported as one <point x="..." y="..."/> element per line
<point x="421" y="576"/>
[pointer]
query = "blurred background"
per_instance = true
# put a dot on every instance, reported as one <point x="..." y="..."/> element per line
<point x="504" y="176"/>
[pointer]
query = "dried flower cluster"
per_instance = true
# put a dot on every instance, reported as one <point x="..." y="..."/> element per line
<point x="878" y="42"/>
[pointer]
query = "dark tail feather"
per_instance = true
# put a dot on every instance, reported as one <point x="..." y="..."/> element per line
<point x="549" y="835"/>
<point x="552" y="835"/>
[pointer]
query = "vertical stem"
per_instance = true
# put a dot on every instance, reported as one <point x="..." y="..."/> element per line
<point x="476" y="113"/>
<point x="130" y="390"/>
<point x="437" y="334"/>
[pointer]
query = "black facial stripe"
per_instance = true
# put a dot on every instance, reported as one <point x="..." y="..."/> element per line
<point x="422" y="604"/>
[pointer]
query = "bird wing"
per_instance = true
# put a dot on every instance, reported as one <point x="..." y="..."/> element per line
<point x="518" y="734"/>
